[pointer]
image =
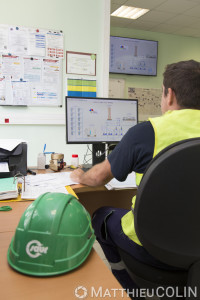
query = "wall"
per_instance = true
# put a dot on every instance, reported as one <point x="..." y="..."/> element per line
<point x="85" y="25"/>
<point x="86" y="28"/>
<point x="171" y="48"/>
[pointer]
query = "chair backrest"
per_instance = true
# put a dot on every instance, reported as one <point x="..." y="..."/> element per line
<point x="167" y="210"/>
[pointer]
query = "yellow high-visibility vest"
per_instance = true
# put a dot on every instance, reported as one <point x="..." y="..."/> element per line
<point x="170" y="128"/>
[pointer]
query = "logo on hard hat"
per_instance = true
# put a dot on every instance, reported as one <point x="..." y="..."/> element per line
<point x="35" y="248"/>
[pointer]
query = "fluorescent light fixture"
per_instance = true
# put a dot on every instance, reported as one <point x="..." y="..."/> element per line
<point x="129" y="12"/>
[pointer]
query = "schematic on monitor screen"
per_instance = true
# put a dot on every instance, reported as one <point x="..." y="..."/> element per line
<point x="133" y="56"/>
<point x="94" y="120"/>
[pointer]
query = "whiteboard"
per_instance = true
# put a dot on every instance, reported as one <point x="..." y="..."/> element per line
<point x="30" y="66"/>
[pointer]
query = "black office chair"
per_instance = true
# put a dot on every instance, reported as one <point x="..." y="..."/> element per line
<point x="167" y="221"/>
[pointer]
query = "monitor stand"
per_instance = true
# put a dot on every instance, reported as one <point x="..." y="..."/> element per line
<point x="98" y="153"/>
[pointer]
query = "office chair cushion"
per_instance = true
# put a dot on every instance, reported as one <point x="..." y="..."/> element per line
<point x="167" y="210"/>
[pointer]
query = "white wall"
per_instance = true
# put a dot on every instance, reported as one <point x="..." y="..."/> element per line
<point x="86" y="28"/>
<point x="171" y="48"/>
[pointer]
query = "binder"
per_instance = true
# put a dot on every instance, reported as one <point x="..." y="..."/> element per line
<point x="8" y="188"/>
<point x="19" y="186"/>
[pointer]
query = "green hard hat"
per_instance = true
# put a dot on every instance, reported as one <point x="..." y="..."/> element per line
<point x="54" y="236"/>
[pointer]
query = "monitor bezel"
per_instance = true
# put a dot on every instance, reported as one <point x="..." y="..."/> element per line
<point x="135" y="74"/>
<point x="100" y="98"/>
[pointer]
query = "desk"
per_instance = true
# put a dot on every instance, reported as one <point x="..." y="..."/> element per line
<point x="95" y="197"/>
<point x="92" y="274"/>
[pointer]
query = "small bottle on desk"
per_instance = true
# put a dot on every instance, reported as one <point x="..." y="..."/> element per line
<point x="41" y="161"/>
<point x="74" y="161"/>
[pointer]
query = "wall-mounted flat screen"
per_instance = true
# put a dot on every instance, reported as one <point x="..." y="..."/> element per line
<point x="133" y="56"/>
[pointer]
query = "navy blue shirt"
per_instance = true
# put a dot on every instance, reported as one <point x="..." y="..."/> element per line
<point x="134" y="152"/>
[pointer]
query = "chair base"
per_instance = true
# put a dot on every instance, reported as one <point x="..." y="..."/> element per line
<point x="163" y="283"/>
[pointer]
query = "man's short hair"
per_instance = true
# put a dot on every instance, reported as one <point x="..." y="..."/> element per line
<point x="184" y="79"/>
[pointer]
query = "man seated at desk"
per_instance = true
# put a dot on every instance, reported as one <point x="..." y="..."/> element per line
<point x="180" y="105"/>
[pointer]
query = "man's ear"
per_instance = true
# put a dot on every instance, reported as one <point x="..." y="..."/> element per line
<point x="171" y="100"/>
<point x="170" y="96"/>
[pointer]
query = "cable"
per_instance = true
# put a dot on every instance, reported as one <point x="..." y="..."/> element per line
<point x="87" y="161"/>
<point x="84" y="160"/>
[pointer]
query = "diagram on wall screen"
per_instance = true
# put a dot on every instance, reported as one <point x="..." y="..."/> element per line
<point x="100" y="120"/>
<point x="148" y="101"/>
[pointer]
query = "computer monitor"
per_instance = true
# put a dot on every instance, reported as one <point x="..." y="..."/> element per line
<point x="99" y="121"/>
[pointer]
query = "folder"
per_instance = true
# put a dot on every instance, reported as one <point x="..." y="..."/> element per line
<point x="8" y="188"/>
<point x="30" y="187"/>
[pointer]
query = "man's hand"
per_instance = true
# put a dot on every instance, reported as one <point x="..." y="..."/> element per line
<point x="98" y="175"/>
<point x="76" y="175"/>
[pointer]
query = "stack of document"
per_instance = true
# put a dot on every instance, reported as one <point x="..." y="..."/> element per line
<point x="43" y="183"/>
<point x="129" y="183"/>
<point x="8" y="188"/>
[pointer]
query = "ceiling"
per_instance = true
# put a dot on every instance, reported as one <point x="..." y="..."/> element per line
<point x="180" y="17"/>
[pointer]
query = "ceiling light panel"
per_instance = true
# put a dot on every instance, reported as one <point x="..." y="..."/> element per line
<point x="129" y="12"/>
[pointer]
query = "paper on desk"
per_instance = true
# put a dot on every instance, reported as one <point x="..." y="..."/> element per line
<point x="56" y="179"/>
<point x="43" y="183"/>
<point x="10" y="144"/>
<point x="34" y="192"/>
<point x="128" y="183"/>
<point x="4" y="167"/>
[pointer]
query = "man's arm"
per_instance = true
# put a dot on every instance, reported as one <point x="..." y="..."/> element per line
<point x="100" y="174"/>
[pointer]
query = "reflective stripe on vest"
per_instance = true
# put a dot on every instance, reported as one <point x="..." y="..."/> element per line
<point x="170" y="128"/>
<point x="138" y="178"/>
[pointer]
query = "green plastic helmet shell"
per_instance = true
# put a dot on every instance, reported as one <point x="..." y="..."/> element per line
<point x="54" y="236"/>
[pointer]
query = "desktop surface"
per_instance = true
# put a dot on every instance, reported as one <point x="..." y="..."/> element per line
<point x="63" y="286"/>
<point x="15" y="285"/>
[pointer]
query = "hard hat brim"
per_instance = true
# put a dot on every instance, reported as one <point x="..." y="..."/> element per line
<point x="21" y="266"/>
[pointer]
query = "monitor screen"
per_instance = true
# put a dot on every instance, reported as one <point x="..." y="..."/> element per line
<point x="99" y="120"/>
<point x="133" y="56"/>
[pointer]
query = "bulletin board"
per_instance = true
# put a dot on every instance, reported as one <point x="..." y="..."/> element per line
<point x="148" y="101"/>
<point x="30" y="66"/>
